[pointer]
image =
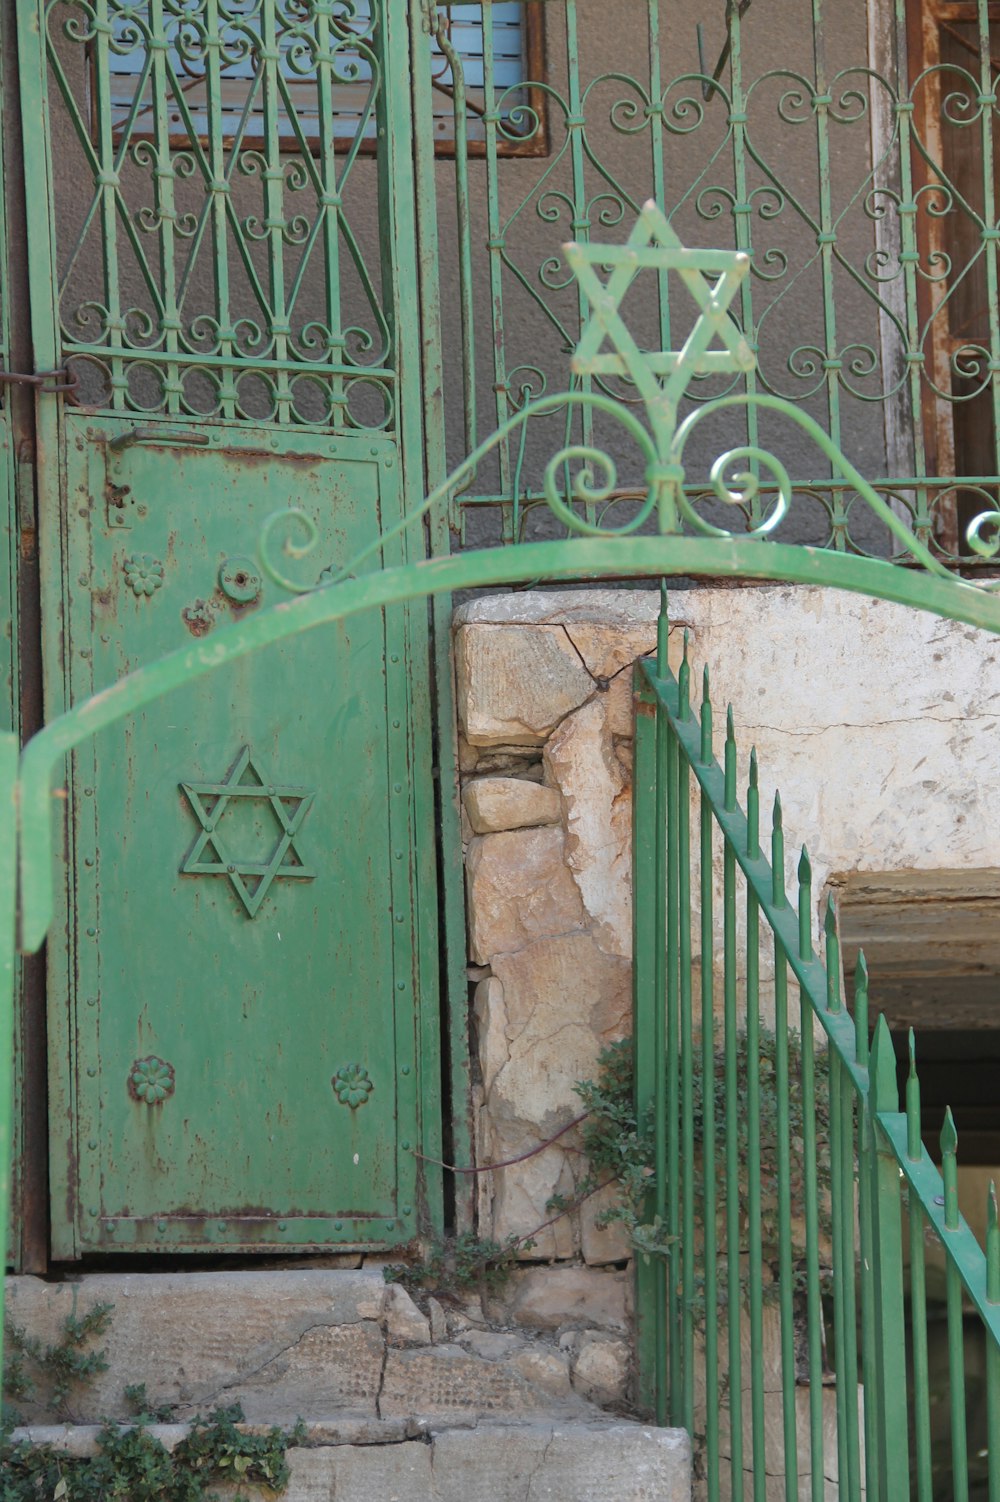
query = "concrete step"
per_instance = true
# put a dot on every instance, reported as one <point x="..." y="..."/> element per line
<point x="484" y="1462"/>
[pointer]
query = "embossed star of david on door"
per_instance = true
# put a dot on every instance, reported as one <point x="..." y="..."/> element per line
<point x="219" y="849"/>
<point x="661" y="376"/>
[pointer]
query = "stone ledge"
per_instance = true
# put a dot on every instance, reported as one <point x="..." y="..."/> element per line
<point x="574" y="1462"/>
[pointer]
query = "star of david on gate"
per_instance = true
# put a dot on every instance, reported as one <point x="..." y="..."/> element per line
<point x="211" y="854"/>
<point x="661" y="377"/>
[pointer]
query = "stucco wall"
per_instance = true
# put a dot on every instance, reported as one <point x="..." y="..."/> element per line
<point x="879" y="724"/>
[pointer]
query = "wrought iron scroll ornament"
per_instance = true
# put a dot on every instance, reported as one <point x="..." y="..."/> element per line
<point x="579" y="476"/>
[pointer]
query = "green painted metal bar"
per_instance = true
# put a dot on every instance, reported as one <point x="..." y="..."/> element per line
<point x="755" y="1248"/>
<point x="782" y="1086"/>
<point x="709" y="1221"/>
<point x="648" y="1272"/>
<point x="663" y="1122"/>
<point x="844" y="1145"/>
<point x="674" y="1306"/>
<point x="810" y="1191"/>
<point x="732" y="1147"/>
<point x="992" y="1350"/>
<point x="869" y="1373"/>
<point x="956" y="1333"/>
<point x="8" y="907"/>
<point x="583" y="558"/>
<point x="686" y="1104"/>
<point x="918" y="1297"/>
<point x="887" y="1241"/>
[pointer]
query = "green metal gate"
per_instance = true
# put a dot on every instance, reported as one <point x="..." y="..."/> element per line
<point x="220" y="223"/>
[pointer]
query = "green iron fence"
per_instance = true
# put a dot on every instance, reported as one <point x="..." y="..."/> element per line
<point x="847" y="149"/>
<point x="786" y="1325"/>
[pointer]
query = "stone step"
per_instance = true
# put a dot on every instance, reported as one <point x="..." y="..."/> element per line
<point x="335" y="1344"/>
<point x="485" y="1462"/>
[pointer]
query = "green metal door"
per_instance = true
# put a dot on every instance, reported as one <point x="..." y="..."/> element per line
<point x="243" y="1020"/>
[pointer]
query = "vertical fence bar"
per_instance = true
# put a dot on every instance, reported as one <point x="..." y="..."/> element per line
<point x="847" y="1355"/>
<point x="810" y="1189"/>
<point x="673" y="1079"/>
<point x="956" y="1333"/>
<point x="754" y="1236"/>
<point x="706" y="874"/>
<point x="869" y="1376"/>
<point x="992" y="1349"/>
<point x="8" y="898"/>
<point x="732" y="1132"/>
<point x="687" y="1232"/>
<point x="660" y="1144"/>
<point x="918" y="1296"/>
<point x="887" y="1242"/>
<point x="786" y="1308"/>
<point x="645" y="837"/>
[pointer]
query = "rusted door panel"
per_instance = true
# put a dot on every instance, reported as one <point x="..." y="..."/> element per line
<point x="240" y="1041"/>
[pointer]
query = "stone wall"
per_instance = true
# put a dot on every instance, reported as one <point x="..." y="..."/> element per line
<point x="879" y="724"/>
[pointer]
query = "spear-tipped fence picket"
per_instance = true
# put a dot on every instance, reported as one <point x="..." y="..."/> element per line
<point x="786" y="1323"/>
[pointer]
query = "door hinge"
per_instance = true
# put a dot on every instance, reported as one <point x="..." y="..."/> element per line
<point x="24" y="489"/>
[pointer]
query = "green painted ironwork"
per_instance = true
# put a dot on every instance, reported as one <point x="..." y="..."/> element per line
<point x="825" y="1248"/>
<point x="855" y="170"/>
<point x="377" y="577"/>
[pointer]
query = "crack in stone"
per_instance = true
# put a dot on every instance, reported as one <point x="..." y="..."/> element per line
<point x="248" y="1376"/>
<point x="381" y="1375"/>
<point x="960" y="722"/>
<point x="583" y="662"/>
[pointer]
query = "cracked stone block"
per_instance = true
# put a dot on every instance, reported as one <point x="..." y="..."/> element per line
<point x="543" y="1019"/>
<point x="200" y="1338"/>
<point x="571" y="1463"/>
<point x="580" y="761"/>
<point x="603" y="1244"/>
<point x="544" y="1368"/>
<point x="519" y="889"/>
<point x="445" y="1382"/>
<point x="547" y="1298"/>
<point x="495" y="803"/>
<point x="514" y="684"/>
<point x="404" y="1324"/>
<point x="362" y="1473"/>
<point x="601" y="1368"/>
<point x="609" y="649"/>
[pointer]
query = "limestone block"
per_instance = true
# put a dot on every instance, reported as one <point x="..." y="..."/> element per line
<point x="601" y="1368"/>
<point x="624" y="609"/>
<point x="619" y="706"/>
<point x="565" y="1463"/>
<point x="437" y="1320"/>
<point x="546" y="1298"/>
<point x="610" y="648"/>
<point x="445" y="1382"/>
<point x="572" y="1460"/>
<point x="515" y="683"/>
<point x="564" y="999"/>
<point x="404" y="1324"/>
<point x="281" y="1342"/>
<point x="543" y="1019"/>
<point x="519" y="1202"/>
<point x="580" y="761"/>
<point x="494" y="803"/>
<point x="490" y="1012"/>
<point x="362" y="1473"/>
<point x="602" y="1244"/>
<point x="546" y="1369"/>
<point x="519" y="889"/>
